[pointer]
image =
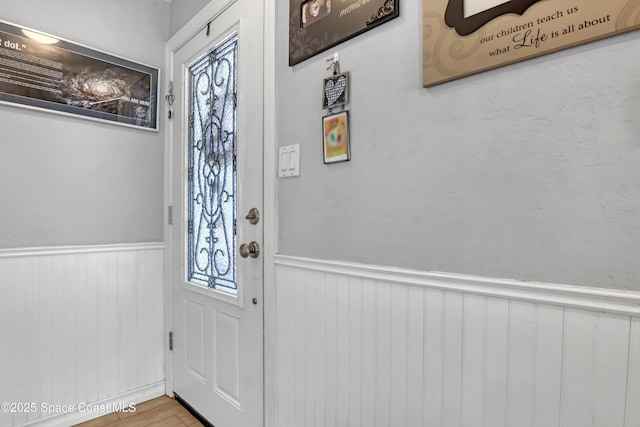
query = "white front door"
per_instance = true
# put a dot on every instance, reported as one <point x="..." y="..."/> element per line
<point x="217" y="178"/>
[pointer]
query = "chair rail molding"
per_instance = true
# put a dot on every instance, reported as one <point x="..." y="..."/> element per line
<point x="89" y="249"/>
<point x="595" y="299"/>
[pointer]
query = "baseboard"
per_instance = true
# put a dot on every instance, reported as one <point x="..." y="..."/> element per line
<point x="121" y="401"/>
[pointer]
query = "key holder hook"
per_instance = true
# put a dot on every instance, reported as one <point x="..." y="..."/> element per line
<point x="335" y="63"/>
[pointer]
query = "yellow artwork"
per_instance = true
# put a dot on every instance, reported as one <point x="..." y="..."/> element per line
<point x="336" y="137"/>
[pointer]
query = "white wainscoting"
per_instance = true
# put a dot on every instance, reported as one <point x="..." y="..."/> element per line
<point x="80" y="325"/>
<point x="369" y="346"/>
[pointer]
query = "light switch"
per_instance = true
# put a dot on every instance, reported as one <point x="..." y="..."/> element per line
<point x="289" y="163"/>
<point x="292" y="160"/>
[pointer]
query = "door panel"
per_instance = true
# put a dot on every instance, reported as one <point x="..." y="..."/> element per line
<point x="217" y="355"/>
<point x="195" y="339"/>
<point x="227" y="357"/>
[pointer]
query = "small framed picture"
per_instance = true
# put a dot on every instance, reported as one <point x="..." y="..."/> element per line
<point x="335" y="91"/>
<point x="335" y="131"/>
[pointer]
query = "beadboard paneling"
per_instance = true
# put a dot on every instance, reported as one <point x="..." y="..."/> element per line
<point x="632" y="415"/>
<point x="82" y="325"/>
<point x="367" y="346"/>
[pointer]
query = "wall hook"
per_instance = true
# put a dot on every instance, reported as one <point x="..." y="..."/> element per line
<point x="170" y="97"/>
<point x="335" y="63"/>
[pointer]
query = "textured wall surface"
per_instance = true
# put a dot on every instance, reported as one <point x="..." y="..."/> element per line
<point x="69" y="181"/>
<point x="526" y="172"/>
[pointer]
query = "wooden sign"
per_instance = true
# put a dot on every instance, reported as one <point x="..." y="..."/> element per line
<point x="464" y="37"/>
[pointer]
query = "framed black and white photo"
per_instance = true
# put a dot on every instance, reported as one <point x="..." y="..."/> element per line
<point x="42" y="71"/>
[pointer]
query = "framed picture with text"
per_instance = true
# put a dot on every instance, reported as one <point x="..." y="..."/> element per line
<point x="464" y="37"/>
<point x="46" y="72"/>
<point x="318" y="25"/>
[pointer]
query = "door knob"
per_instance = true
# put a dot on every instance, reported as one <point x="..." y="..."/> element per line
<point x="251" y="250"/>
<point x="253" y="216"/>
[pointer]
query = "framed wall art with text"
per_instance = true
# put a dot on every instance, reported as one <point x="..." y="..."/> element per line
<point x="463" y="37"/>
<point x="41" y="71"/>
<point x="318" y="25"/>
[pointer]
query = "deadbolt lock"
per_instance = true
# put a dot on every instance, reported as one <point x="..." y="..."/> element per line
<point x="251" y="250"/>
<point x="253" y="216"/>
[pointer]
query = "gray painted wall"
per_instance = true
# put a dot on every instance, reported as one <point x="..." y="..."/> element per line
<point x="527" y="172"/>
<point x="182" y="11"/>
<point x="68" y="181"/>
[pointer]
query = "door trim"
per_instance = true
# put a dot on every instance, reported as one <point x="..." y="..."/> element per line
<point x="196" y="24"/>
<point x="270" y="231"/>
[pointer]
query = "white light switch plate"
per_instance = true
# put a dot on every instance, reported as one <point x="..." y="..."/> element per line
<point x="289" y="161"/>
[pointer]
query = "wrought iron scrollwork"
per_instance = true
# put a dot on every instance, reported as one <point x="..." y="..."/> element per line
<point x="387" y="9"/>
<point x="212" y="169"/>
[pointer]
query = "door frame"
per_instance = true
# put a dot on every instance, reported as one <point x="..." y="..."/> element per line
<point x="269" y="244"/>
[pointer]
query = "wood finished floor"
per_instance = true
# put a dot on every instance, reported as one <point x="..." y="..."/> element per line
<point x="160" y="412"/>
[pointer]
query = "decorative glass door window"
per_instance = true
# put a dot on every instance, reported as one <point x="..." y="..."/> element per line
<point x="211" y="180"/>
